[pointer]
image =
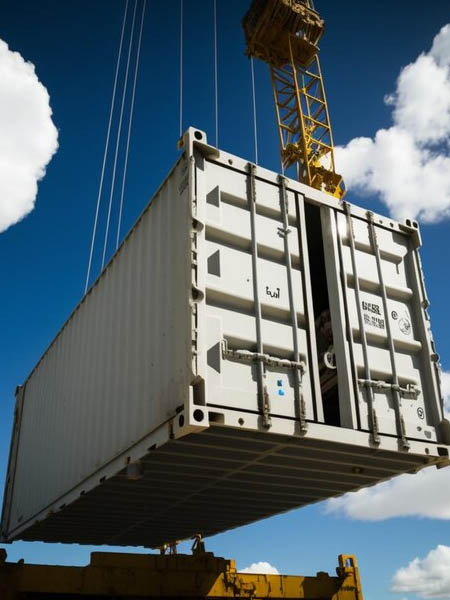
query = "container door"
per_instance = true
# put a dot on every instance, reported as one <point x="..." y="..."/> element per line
<point x="259" y="314"/>
<point x="384" y="350"/>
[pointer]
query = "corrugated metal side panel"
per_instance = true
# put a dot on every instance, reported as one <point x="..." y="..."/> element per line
<point x="120" y="365"/>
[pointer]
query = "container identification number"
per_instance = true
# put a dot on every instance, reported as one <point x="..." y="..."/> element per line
<point x="372" y="315"/>
<point x="373" y="308"/>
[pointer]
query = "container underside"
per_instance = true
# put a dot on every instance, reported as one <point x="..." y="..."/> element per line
<point x="213" y="481"/>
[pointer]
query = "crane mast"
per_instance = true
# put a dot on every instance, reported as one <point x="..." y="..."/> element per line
<point x="285" y="34"/>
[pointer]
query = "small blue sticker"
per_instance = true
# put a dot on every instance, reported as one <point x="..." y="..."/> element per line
<point x="281" y="392"/>
<point x="280" y="383"/>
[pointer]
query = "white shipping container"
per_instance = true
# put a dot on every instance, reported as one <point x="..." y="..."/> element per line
<point x="253" y="346"/>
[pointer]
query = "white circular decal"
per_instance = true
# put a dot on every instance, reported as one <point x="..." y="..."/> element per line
<point x="405" y="326"/>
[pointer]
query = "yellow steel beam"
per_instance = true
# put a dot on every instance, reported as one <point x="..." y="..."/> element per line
<point x="285" y="34"/>
<point x="172" y="576"/>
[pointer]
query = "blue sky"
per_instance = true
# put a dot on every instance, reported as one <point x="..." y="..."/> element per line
<point x="43" y="259"/>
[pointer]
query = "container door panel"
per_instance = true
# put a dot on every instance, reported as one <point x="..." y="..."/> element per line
<point x="386" y="328"/>
<point x="232" y="304"/>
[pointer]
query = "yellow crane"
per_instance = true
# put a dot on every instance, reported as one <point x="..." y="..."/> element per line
<point x="285" y="34"/>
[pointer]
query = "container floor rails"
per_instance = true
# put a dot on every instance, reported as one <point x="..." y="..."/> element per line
<point x="214" y="481"/>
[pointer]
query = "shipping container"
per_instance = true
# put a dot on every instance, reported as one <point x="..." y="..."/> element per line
<point x="253" y="346"/>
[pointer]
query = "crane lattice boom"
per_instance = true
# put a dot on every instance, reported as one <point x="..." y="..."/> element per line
<point x="285" y="34"/>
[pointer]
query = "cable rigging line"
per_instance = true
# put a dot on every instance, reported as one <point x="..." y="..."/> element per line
<point x="216" y="87"/>
<point x="119" y="131"/>
<point x="130" y="121"/>
<point x="181" y="68"/>
<point x="113" y="100"/>
<point x="255" y="130"/>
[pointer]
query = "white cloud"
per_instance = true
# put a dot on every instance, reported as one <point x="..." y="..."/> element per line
<point x="28" y="136"/>
<point x="428" y="577"/>
<point x="262" y="568"/>
<point x="424" y="494"/>
<point x="441" y="46"/>
<point x="408" y="164"/>
<point x="445" y="383"/>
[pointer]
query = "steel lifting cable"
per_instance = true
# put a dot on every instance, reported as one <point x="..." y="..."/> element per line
<point x="105" y="154"/>
<point x="255" y="130"/>
<point x="119" y="131"/>
<point x="216" y="79"/>
<point x="130" y="122"/>
<point x="181" y="68"/>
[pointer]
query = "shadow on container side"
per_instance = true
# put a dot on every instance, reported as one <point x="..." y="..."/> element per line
<point x="254" y="345"/>
<point x="139" y="577"/>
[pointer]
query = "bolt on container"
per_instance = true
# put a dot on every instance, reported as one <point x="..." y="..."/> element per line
<point x="253" y="346"/>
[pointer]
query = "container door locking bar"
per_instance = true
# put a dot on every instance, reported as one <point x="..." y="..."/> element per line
<point x="284" y="232"/>
<point x="395" y="387"/>
<point x="408" y="391"/>
<point x="264" y="360"/>
<point x="373" y="421"/>
<point x="263" y="394"/>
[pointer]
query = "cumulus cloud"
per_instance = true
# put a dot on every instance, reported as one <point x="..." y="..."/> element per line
<point x="28" y="137"/>
<point x="261" y="568"/>
<point x="445" y="383"/>
<point x="424" y="494"/>
<point x="408" y="164"/>
<point x="428" y="577"/>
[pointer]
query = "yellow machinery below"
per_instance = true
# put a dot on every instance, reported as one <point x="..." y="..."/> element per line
<point x="138" y="577"/>
<point x="285" y="34"/>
